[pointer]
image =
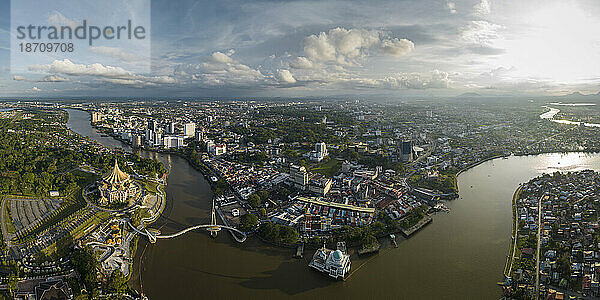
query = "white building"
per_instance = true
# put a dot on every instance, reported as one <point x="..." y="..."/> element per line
<point x="136" y="141"/>
<point x="336" y="263"/>
<point x="219" y="149"/>
<point x="216" y="149"/>
<point x="189" y="129"/>
<point x="149" y="136"/>
<point x="299" y="176"/>
<point x="97" y="117"/>
<point x="319" y="153"/>
<point x="158" y="139"/>
<point x="173" y="141"/>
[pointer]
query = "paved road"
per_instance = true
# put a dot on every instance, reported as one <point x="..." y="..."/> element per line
<point x="4" y="230"/>
<point x="539" y="236"/>
<point x="512" y="255"/>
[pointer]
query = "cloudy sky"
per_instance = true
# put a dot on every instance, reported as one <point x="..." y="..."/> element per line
<point x="312" y="48"/>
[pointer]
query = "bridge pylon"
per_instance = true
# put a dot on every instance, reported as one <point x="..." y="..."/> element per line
<point x="213" y="228"/>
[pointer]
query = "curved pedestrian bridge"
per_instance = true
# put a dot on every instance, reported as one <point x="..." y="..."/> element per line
<point x="154" y="234"/>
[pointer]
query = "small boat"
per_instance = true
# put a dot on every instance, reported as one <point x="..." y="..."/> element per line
<point x="214" y="179"/>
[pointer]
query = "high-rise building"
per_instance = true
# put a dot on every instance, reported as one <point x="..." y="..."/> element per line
<point x="189" y="129"/>
<point x="152" y="125"/>
<point x="173" y="141"/>
<point x="149" y="136"/>
<point x="97" y="117"/>
<point x="158" y="139"/>
<point x="136" y="140"/>
<point x="321" y="148"/>
<point x="406" y="151"/>
<point x="320" y="152"/>
<point x="299" y="176"/>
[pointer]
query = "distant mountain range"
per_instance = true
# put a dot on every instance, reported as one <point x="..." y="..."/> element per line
<point x="579" y="94"/>
<point x="469" y="94"/>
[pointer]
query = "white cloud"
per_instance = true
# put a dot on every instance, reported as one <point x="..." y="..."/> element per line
<point x="439" y="80"/>
<point x="481" y="33"/>
<point x="397" y="47"/>
<point x="301" y="63"/>
<point x="498" y="73"/>
<point x="220" y="69"/>
<point x="285" y="76"/>
<point x="54" y="78"/>
<point x="67" y="67"/>
<point x="109" y="74"/>
<point x="220" y="58"/>
<point x="319" y="48"/>
<point x="451" y="7"/>
<point x="482" y="9"/>
<point x="349" y="46"/>
<point x="436" y="80"/>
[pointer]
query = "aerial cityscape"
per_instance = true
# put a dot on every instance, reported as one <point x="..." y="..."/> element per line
<point x="299" y="149"/>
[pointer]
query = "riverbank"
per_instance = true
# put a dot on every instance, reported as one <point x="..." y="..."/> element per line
<point x="417" y="227"/>
<point x="515" y="230"/>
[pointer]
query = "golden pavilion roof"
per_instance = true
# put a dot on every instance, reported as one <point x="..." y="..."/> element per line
<point x="117" y="176"/>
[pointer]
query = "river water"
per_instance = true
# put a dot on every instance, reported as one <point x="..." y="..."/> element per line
<point x="549" y="115"/>
<point x="461" y="255"/>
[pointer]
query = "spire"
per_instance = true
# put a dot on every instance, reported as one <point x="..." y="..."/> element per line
<point x="116" y="176"/>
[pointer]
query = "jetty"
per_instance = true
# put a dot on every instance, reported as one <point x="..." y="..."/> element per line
<point x="410" y="231"/>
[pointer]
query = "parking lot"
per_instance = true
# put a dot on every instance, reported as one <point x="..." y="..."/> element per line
<point x="26" y="213"/>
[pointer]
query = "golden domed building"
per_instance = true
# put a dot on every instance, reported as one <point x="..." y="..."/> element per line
<point x="116" y="187"/>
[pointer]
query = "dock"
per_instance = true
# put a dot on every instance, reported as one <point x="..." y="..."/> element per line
<point x="410" y="231"/>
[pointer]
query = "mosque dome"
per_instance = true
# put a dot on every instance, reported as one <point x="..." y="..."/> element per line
<point x="337" y="255"/>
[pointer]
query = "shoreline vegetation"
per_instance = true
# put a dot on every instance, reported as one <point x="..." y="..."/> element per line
<point x="512" y="245"/>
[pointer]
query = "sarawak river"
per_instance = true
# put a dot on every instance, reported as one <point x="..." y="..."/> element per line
<point x="461" y="255"/>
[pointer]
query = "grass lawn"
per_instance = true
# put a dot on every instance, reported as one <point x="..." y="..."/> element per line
<point x="80" y="231"/>
<point x="8" y="220"/>
<point x="328" y="168"/>
<point x="149" y="186"/>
